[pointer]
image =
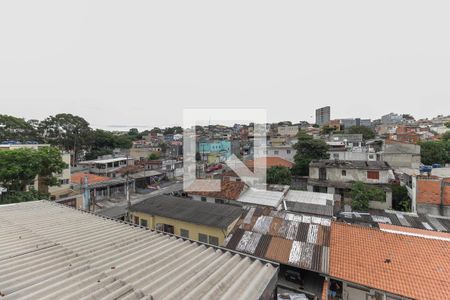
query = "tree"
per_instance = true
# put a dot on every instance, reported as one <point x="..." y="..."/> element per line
<point x="363" y="193"/>
<point x="447" y="124"/>
<point x="308" y="149"/>
<point x="400" y="198"/>
<point x="153" y="156"/>
<point x="67" y="131"/>
<point x="434" y="152"/>
<point x="50" y="164"/>
<point x="16" y="197"/>
<point x="279" y="175"/>
<point x="103" y="142"/>
<point x="367" y="132"/>
<point x="17" y="129"/>
<point x="326" y="129"/>
<point x="19" y="168"/>
<point x="446" y="136"/>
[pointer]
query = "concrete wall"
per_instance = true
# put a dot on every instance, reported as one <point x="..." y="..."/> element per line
<point x="349" y="155"/>
<point x="335" y="174"/>
<point x="194" y="229"/>
<point x="397" y="160"/>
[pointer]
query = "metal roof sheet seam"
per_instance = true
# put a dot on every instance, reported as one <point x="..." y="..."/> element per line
<point x="52" y="251"/>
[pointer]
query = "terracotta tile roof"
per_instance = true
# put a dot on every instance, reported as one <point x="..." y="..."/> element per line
<point x="404" y="265"/>
<point x="415" y="232"/>
<point x="271" y="161"/>
<point x="230" y="190"/>
<point x="77" y="178"/>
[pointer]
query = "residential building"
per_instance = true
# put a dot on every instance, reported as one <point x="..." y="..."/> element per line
<point x="230" y="191"/>
<point x="347" y="123"/>
<point x="401" y="155"/>
<point x="100" y="187"/>
<point x="141" y="151"/>
<point x="53" y="251"/>
<point x="287" y="130"/>
<point x="392" y="118"/>
<point x="286" y="152"/>
<point x="201" y="221"/>
<point x="337" y="177"/>
<point x="388" y="263"/>
<point x="214" y="152"/>
<point x="107" y="165"/>
<point x="323" y="115"/>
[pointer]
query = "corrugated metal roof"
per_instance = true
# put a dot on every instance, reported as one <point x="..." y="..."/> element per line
<point x="49" y="251"/>
<point x="412" y="220"/>
<point x="287" y="238"/>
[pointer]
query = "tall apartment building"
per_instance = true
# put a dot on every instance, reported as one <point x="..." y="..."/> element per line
<point x="323" y="115"/>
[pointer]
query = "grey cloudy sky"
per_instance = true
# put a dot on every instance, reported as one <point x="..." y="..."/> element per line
<point x="141" y="62"/>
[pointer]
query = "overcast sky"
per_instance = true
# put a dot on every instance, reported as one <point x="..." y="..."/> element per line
<point x="139" y="63"/>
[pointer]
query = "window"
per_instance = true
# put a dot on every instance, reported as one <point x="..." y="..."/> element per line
<point x="344" y="172"/>
<point x="136" y="220"/>
<point x="288" y="151"/>
<point x="335" y="155"/>
<point x="373" y="174"/>
<point x="184" y="233"/>
<point x="220" y="201"/>
<point x="203" y="199"/>
<point x="144" y="222"/>
<point x="214" y="240"/>
<point x="203" y="238"/>
<point x="276" y="152"/>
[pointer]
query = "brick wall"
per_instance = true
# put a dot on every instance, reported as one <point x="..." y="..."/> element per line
<point x="428" y="190"/>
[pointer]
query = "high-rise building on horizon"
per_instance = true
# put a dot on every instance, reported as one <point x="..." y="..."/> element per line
<point x="323" y="115"/>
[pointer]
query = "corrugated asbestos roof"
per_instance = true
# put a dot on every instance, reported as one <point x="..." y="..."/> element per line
<point x="49" y="251"/>
<point x="292" y="239"/>
<point x="183" y="209"/>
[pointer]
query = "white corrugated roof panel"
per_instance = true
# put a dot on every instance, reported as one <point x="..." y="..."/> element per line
<point x="49" y="251"/>
<point x="261" y="197"/>
<point x="308" y="197"/>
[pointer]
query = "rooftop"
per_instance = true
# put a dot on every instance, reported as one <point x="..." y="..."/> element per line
<point x="403" y="265"/>
<point x="103" y="160"/>
<point x="292" y="239"/>
<point x="374" y="218"/>
<point x="78" y="178"/>
<point x="270" y="161"/>
<point x="350" y="164"/>
<point x="310" y="202"/>
<point x="52" y="251"/>
<point x="183" y="209"/>
<point x="262" y="197"/>
<point x="230" y="190"/>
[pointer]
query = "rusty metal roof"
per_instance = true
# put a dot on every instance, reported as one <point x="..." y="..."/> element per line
<point x="298" y="240"/>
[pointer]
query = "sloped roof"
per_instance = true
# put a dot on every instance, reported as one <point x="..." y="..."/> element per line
<point x="270" y="161"/>
<point x="192" y="211"/>
<point x="78" y="178"/>
<point x="298" y="240"/>
<point x="50" y="251"/>
<point x="403" y="265"/>
<point x="230" y="190"/>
